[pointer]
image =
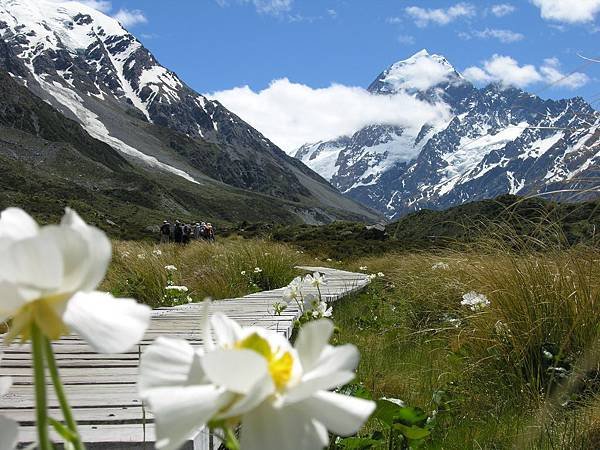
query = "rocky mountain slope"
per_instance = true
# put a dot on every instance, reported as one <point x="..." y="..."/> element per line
<point x="492" y="141"/>
<point x="93" y="71"/>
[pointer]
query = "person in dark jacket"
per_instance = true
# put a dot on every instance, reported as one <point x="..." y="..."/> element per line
<point x="178" y="233"/>
<point x="165" y="232"/>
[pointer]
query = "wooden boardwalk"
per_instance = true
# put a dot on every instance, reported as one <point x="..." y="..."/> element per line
<point x="102" y="388"/>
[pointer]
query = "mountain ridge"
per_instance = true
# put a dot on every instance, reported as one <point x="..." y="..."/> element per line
<point x="497" y="140"/>
<point x="92" y="70"/>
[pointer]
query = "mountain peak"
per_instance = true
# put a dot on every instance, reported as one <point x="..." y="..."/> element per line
<point x="420" y="72"/>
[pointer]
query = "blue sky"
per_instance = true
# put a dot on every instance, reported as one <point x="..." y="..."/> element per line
<point x="216" y="45"/>
<point x="274" y="62"/>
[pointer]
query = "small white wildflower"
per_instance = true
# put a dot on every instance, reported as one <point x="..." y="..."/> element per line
<point x="380" y="274"/>
<point x="371" y="276"/>
<point x="475" y="301"/>
<point x="363" y="268"/>
<point x="157" y="252"/>
<point x="547" y="354"/>
<point x="177" y="288"/>
<point x="329" y="259"/>
<point x="440" y="266"/>
<point x="125" y="255"/>
<point x="170" y="268"/>
<point x="141" y="256"/>
<point x="257" y="270"/>
<point x="243" y="272"/>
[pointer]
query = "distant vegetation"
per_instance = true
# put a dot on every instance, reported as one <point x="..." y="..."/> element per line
<point x="224" y="270"/>
<point x="540" y="222"/>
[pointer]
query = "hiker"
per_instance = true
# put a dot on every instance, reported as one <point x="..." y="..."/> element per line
<point x="210" y="232"/>
<point x="165" y="232"/>
<point x="197" y="231"/>
<point x="178" y="232"/>
<point x="187" y="233"/>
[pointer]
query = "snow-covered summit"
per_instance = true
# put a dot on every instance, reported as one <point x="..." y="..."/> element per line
<point x="421" y="72"/>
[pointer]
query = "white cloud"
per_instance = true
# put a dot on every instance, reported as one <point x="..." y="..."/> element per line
<point x="439" y="16"/>
<point x="130" y="18"/>
<point x="406" y="39"/>
<point x="504" y="36"/>
<point x="100" y="5"/>
<point x="274" y="7"/>
<point x="570" y="11"/>
<point x="507" y="71"/>
<point x="292" y="114"/>
<point x="502" y="9"/>
<point x="551" y="72"/>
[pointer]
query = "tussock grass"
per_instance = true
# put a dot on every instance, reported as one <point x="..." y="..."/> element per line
<point x="521" y="373"/>
<point x="207" y="270"/>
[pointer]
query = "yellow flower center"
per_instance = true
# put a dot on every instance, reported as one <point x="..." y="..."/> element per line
<point x="280" y="365"/>
<point x="45" y="313"/>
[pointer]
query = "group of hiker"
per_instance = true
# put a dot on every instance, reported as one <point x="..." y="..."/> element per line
<point x="183" y="233"/>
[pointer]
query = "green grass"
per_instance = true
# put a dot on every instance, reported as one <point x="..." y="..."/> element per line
<point x="207" y="270"/>
<point x="499" y="391"/>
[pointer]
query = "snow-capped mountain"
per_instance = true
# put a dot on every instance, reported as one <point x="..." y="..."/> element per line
<point x="90" y="68"/>
<point x="494" y="140"/>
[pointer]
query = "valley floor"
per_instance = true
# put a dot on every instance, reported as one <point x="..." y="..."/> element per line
<point x="490" y="347"/>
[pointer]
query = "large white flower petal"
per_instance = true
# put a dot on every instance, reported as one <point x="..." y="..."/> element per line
<point x="307" y="388"/>
<point x="181" y="411"/>
<point x="259" y="392"/>
<point x="12" y="299"/>
<point x="236" y="370"/>
<point x="34" y="262"/>
<point x="75" y="256"/>
<point x="343" y="358"/>
<point x="288" y="428"/>
<point x="108" y="324"/>
<point x="9" y="431"/>
<point x="341" y="414"/>
<point x="226" y="330"/>
<point x="99" y="249"/>
<point x="169" y="362"/>
<point x="16" y="224"/>
<point x="312" y="339"/>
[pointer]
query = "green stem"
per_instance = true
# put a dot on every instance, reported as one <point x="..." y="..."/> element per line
<point x="60" y="395"/>
<point x="41" y="406"/>
<point x="231" y="441"/>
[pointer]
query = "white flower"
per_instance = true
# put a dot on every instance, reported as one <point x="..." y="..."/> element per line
<point x="48" y="276"/>
<point x="380" y="274"/>
<point x="293" y="292"/>
<point x="329" y="259"/>
<point x="243" y="272"/>
<point x="363" y="268"/>
<point x="257" y="270"/>
<point x="9" y="429"/>
<point x="125" y="255"/>
<point x="440" y="266"/>
<point x="322" y="311"/>
<point x="475" y="301"/>
<point x="371" y="276"/>
<point x="253" y="376"/>
<point x="141" y="256"/>
<point x="170" y="268"/>
<point x="177" y="288"/>
<point x="315" y="280"/>
<point x="157" y="252"/>
<point x="267" y="254"/>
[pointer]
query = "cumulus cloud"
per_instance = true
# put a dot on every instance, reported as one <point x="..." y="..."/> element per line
<point x="507" y="71"/>
<point x="274" y="7"/>
<point x="292" y="114"/>
<point x="502" y="9"/>
<point x="569" y="11"/>
<point x="504" y="36"/>
<point x="439" y="16"/>
<point x="130" y="18"/>
<point x="100" y="5"/>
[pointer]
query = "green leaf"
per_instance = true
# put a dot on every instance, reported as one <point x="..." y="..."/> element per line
<point x="357" y="443"/>
<point x="413" y="433"/>
<point x="409" y="415"/>
<point x="386" y="411"/>
<point x="63" y="431"/>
